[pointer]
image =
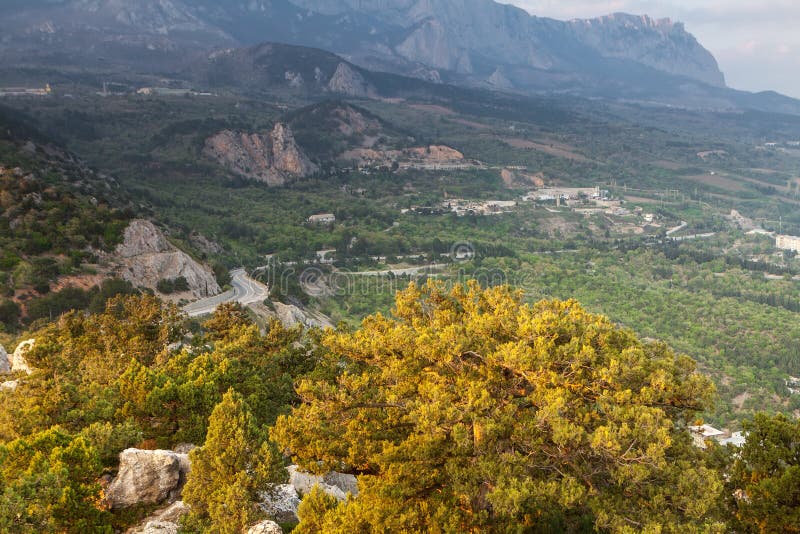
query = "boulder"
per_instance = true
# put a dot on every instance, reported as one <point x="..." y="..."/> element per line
<point x="147" y="477"/>
<point x="335" y="484"/>
<point x="9" y="385"/>
<point x="184" y="448"/>
<point x="265" y="527"/>
<point x="281" y="503"/>
<point x="5" y="364"/>
<point x="18" y="361"/>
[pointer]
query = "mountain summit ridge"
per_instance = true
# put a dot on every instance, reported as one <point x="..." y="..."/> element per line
<point x="468" y="38"/>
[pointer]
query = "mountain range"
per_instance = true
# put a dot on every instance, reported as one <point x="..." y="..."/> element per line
<point x="477" y="43"/>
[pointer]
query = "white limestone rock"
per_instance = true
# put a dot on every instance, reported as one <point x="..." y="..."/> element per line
<point x="147" y="477"/>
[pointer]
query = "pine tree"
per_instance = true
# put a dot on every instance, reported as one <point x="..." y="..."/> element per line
<point x="473" y="412"/>
<point x="232" y="468"/>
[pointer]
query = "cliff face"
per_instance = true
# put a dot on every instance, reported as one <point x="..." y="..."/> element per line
<point x="146" y="256"/>
<point x="457" y="35"/>
<point x="460" y="36"/>
<point x="661" y="44"/>
<point x="273" y="158"/>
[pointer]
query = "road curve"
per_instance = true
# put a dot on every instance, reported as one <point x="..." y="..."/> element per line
<point x="245" y="291"/>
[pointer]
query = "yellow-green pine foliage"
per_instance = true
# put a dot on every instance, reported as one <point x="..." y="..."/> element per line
<point x="48" y="483"/>
<point x="231" y="469"/>
<point x="470" y="411"/>
<point x="765" y="478"/>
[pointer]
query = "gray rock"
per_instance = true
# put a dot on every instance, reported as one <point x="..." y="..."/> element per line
<point x="146" y="256"/>
<point x="184" y="448"/>
<point x="335" y="484"/>
<point x="163" y="521"/>
<point x="281" y="503"/>
<point x="265" y="527"/>
<point x="9" y="385"/>
<point x="348" y="82"/>
<point x="18" y="361"/>
<point x="5" y="364"/>
<point x="273" y="158"/>
<point x="147" y="477"/>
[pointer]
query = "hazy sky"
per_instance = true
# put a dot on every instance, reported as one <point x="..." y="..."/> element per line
<point x="756" y="42"/>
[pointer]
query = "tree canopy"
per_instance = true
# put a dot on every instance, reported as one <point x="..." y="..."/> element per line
<point x="229" y="472"/>
<point x="471" y="411"/>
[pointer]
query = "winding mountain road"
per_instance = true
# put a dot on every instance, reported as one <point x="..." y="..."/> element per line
<point x="245" y="291"/>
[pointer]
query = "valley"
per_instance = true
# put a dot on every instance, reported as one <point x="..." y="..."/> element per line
<point x="482" y="270"/>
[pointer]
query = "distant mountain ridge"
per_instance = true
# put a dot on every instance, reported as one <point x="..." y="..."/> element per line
<point x="467" y="37"/>
<point x="472" y="43"/>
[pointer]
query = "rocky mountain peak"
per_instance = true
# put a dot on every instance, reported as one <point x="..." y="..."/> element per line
<point x="273" y="158"/>
<point x="348" y="82"/>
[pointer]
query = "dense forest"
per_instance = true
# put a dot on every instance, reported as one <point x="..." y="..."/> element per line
<point x="464" y="410"/>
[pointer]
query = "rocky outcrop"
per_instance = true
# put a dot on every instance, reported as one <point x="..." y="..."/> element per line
<point x="147" y="477"/>
<point x="273" y="158"/>
<point x="5" y="364"/>
<point x="430" y="155"/>
<point x="287" y="158"/>
<point x="335" y="484"/>
<point x="281" y="503"/>
<point x="291" y="315"/>
<point x="19" y="362"/>
<point x="265" y="527"/>
<point x="164" y="521"/>
<point x="347" y="81"/>
<point x="146" y="256"/>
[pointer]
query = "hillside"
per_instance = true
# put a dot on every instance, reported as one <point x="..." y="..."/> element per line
<point x="67" y="236"/>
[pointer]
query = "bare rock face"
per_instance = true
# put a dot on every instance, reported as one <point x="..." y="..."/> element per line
<point x="147" y="477"/>
<point x="348" y="82"/>
<point x="5" y="364"/>
<point x="146" y="256"/>
<point x="18" y="361"/>
<point x="143" y="237"/>
<point x="287" y="156"/>
<point x="265" y="527"/>
<point x="274" y="158"/>
<point x="335" y="484"/>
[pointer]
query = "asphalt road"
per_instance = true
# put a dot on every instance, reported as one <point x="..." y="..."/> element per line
<point x="245" y="291"/>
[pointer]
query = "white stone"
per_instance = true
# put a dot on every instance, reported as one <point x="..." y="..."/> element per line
<point x="265" y="527"/>
<point x="18" y="361"/>
<point x="147" y="477"/>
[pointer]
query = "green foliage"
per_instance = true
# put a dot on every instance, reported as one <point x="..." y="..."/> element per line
<point x="9" y="314"/>
<point x="174" y="285"/>
<point x="765" y="477"/>
<point x="49" y="484"/>
<point x="472" y="411"/>
<point x="315" y="514"/>
<point x="235" y="464"/>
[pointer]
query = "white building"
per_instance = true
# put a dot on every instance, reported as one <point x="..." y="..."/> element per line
<point x="787" y="242"/>
<point x="322" y="218"/>
<point x="702" y="433"/>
